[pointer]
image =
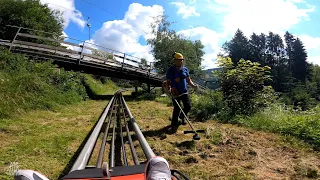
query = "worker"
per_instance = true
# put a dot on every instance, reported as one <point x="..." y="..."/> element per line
<point x="177" y="77"/>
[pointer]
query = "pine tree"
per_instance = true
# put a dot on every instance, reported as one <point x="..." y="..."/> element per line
<point x="299" y="61"/>
<point x="257" y="47"/>
<point x="238" y="47"/>
<point x="289" y="39"/>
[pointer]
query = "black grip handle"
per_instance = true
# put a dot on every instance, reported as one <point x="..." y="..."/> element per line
<point x="188" y="132"/>
<point x="197" y="131"/>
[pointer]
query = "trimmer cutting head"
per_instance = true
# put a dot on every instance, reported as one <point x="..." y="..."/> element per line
<point x="196" y="137"/>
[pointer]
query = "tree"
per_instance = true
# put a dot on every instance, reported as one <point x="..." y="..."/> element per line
<point x="238" y="47"/>
<point x="289" y="39"/>
<point x="144" y="62"/>
<point x="166" y="41"/>
<point x="29" y="14"/>
<point x="299" y="61"/>
<point x="257" y="48"/>
<point x="275" y="58"/>
<point x="243" y="86"/>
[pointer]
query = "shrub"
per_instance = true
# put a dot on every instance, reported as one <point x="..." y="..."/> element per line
<point x="243" y="86"/>
<point x="207" y="105"/>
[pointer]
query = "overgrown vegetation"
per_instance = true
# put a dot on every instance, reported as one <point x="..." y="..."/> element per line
<point x="26" y="85"/>
<point x="292" y="76"/>
<point x="245" y="99"/>
<point x="100" y="85"/>
<point x="281" y="119"/>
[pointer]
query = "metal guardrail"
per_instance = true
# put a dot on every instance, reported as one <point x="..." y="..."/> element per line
<point x="82" y="51"/>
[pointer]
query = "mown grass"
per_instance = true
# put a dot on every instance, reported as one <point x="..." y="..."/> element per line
<point x="46" y="141"/>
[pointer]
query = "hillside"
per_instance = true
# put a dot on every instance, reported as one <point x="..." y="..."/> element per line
<point x="46" y="140"/>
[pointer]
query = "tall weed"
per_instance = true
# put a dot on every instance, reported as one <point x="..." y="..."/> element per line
<point x="27" y="85"/>
<point x="304" y="125"/>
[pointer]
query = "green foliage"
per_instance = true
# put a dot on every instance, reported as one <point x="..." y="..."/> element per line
<point x="280" y="119"/>
<point x="100" y="85"/>
<point x="167" y="41"/>
<point x="29" y="14"/>
<point x="207" y="106"/>
<point x="301" y="96"/>
<point x="144" y="61"/>
<point x="243" y="86"/>
<point x="27" y="85"/>
<point x="287" y="63"/>
<point x="238" y="47"/>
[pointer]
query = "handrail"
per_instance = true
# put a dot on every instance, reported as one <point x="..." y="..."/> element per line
<point x="76" y="45"/>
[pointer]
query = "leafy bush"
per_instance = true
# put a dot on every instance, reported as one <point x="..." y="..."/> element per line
<point x="207" y="105"/>
<point x="243" y="86"/>
<point x="27" y="85"/>
<point x="300" y="97"/>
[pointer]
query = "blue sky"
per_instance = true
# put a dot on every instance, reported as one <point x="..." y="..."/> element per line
<point x="123" y="25"/>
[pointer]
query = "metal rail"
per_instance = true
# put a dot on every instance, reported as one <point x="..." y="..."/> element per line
<point x="143" y="142"/>
<point x="86" y="152"/>
<point x="113" y="117"/>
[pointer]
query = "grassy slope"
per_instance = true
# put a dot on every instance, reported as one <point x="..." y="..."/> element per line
<point x="45" y="141"/>
<point x="99" y="88"/>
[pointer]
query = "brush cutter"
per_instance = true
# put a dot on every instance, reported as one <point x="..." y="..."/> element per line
<point x="196" y="135"/>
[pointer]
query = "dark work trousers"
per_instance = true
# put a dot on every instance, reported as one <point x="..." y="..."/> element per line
<point x="185" y="98"/>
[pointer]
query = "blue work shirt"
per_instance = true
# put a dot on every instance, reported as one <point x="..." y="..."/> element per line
<point x="173" y="73"/>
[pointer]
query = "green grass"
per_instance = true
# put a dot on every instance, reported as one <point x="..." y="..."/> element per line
<point x="276" y="118"/>
<point x="26" y="85"/>
<point x="45" y="141"/>
<point x="100" y="88"/>
<point x="303" y="125"/>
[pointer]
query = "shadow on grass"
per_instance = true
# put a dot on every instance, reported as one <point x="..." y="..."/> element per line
<point x="68" y="167"/>
<point x="186" y="144"/>
<point x="160" y="133"/>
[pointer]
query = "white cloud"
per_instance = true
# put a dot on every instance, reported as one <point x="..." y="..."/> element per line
<point x="261" y="15"/>
<point x="314" y="59"/>
<point x="209" y="39"/>
<point x="252" y="16"/>
<point x="64" y="34"/>
<point x="310" y="42"/>
<point x="312" y="45"/>
<point x="69" y="12"/>
<point x="123" y="35"/>
<point x="184" y="10"/>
